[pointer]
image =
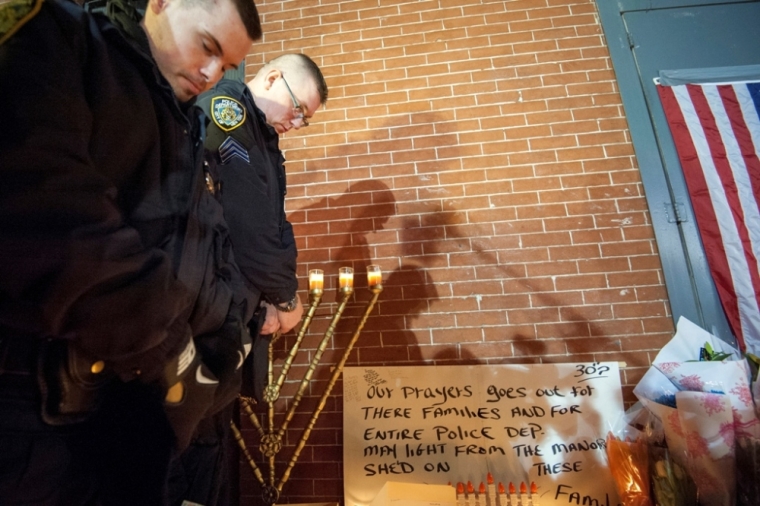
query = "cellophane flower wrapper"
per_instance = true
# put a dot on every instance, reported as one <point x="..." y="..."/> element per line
<point x="703" y="406"/>
<point x="708" y="427"/>
<point x="683" y="347"/>
<point x="629" y="465"/>
<point x="671" y="483"/>
<point x="730" y="378"/>
<point x="628" y="460"/>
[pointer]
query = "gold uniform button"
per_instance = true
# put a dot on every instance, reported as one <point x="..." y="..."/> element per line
<point x="210" y="186"/>
<point x="97" y="367"/>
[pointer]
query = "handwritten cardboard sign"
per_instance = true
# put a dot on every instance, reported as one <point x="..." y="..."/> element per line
<point x="448" y="424"/>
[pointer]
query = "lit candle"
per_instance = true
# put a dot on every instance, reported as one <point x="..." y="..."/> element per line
<point x="346" y="277"/>
<point x="316" y="280"/>
<point x="374" y="275"/>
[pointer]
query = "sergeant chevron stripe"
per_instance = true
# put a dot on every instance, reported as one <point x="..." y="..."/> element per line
<point x="231" y="148"/>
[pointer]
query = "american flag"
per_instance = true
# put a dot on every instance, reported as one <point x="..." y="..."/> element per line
<point x="716" y="129"/>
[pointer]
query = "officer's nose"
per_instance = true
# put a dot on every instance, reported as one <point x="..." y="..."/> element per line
<point x="213" y="72"/>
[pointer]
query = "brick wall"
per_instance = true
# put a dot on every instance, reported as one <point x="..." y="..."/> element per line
<point x="477" y="151"/>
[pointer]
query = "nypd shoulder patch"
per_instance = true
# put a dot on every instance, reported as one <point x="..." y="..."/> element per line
<point x="14" y="14"/>
<point x="227" y="113"/>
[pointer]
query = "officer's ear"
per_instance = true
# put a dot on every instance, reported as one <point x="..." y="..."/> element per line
<point x="271" y="76"/>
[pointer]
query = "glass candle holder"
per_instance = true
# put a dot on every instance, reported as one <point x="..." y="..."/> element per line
<point x="374" y="275"/>
<point x="345" y="277"/>
<point x="316" y="280"/>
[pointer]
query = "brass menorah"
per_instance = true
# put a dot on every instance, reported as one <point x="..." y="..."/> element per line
<point x="271" y="437"/>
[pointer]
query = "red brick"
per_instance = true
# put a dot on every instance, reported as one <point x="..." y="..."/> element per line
<point x="640" y="309"/>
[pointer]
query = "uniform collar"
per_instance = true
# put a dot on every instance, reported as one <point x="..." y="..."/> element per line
<point x="127" y="15"/>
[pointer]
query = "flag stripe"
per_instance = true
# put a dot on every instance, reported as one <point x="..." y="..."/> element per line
<point x="750" y="111"/>
<point x="741" y="251"/>
<point x="716" y="129"/>
<point x="710" y="207"/>
<point x="744" y="163"/>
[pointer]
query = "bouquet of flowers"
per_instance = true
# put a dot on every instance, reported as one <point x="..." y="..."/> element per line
<point x="643" y="468"/>
<point x="701" y="429"/>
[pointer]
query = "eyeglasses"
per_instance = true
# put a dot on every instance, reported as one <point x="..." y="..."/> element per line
<point x="297" y="108"/>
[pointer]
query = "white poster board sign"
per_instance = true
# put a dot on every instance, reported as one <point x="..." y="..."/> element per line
<point x="448" y="424"/>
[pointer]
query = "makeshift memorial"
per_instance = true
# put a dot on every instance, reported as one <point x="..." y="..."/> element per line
<point x="694" y="436"/>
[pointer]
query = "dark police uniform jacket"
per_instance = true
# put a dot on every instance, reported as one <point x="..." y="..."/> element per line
<point x="103" y="238"/>
<point x="249" y="172"/>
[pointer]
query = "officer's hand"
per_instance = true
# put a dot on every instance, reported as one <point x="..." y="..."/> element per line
<point x="271" y="320"/>
<point x="291" y="319"/>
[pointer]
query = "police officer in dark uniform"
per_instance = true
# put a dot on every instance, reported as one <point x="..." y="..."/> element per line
<point x="247" y="166"/>
<point x="244" y="122"/>
<point x="107" y="263"/>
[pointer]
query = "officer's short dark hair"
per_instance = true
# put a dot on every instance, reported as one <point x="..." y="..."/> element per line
<point x="302" y="64"/>
<point x="249" y="15"/>
<point x="312" y="69"/>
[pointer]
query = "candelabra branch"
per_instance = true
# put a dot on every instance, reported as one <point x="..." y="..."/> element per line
<point x="251" y="415"/>
<point x="315" y="360"/>
<point x="333" y="379"/>
<point x="241" y="443"/>
<point x="269" y="395"/>
<point x="315" y="297"/>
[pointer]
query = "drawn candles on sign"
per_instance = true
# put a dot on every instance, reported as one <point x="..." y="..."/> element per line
<point x="487" y="497"/>
<point x="411" y="430"/>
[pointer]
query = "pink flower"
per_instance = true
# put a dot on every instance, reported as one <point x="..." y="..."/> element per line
<point x="667" y="367"/>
